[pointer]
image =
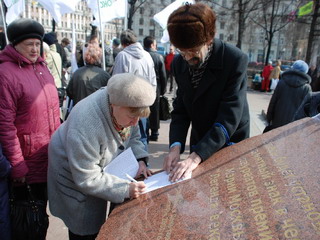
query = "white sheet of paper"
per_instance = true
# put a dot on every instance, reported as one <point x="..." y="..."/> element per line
<point x="124" y="163"/>
<point x="160" y="180"/>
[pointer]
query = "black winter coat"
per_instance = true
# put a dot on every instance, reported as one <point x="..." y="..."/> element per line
<point x="220" y="98"/>
<point x="287" y="97"/>
<point x="160" y="70"/>
<point x="85" y="81"/>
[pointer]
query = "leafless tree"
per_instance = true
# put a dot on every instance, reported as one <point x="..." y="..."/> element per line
<point x="272" y="18"/>
<point x="132" y="8"/>
<point x="314" y="29"/>
<point x="242" y="9"/>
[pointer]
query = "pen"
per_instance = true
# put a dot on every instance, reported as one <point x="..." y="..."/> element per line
<point x="131" y="178"/>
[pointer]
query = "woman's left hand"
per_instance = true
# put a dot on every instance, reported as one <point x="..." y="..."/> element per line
<point x="143" y="170"/>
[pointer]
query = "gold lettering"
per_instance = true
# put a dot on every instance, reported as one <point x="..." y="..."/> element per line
<point x="267" y="235"/>
<point x="291" y="230"/>
<point x="281" y="211"/>
<point x="313" y="216"/>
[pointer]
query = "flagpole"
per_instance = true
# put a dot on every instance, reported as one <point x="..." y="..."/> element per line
<point x="126" y="18"/>
<point x="102" y="37"/>
<point x="4" y="23"/>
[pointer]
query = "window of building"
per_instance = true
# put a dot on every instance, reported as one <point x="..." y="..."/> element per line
<point x="151" y="32"/>
<point x="221" y="36"/>
<point x="141" y="10"/>
<point x="230" y="37"/>
<point x="151" y="12"/>
<point x="151" y="23"/>
<point x="141" y="31"/>
<point x="224" y="3"/>
<point x="141" y="21"/>
<point x="222" y="24"/>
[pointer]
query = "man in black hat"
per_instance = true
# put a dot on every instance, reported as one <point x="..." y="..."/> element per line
<point x="211" y="96"/>
<point x="29" y="109"/>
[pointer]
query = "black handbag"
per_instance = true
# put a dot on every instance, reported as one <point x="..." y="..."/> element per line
<point x="164" y="108"/>
<point x="29" y="219"/>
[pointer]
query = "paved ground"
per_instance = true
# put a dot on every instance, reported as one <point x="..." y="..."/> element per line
<point x="257" y="103"/>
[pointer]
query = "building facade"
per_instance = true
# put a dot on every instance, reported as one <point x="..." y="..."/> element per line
<point x="288" y="43"/>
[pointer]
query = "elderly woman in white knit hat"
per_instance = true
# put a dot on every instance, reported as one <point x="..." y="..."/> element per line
<point x="99" y="128"/>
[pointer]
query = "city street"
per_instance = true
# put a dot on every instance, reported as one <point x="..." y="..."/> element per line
<point x="258" y="102"/>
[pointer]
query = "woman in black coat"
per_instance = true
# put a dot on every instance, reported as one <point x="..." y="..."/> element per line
<point x="288" y="95"/>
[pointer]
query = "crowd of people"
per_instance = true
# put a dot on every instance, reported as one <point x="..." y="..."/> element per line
<point x="62" y="158"/>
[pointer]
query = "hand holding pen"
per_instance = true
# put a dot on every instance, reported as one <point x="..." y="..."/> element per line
<point x="136" y="188"/>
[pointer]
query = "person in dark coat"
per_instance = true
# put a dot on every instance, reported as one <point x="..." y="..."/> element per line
<point x="212" y="82"/>
<point x="115" y="48"/>
<point x="3" y="41"/>
<point x="150" y="45"/>
<point x="309" y="107"/>
<point x="89" y="78"/>
<point x="4" y="198"/>
<point x="288" y="95"/>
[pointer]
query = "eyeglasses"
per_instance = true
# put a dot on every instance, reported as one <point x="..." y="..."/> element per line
<point x="192" y="52"/>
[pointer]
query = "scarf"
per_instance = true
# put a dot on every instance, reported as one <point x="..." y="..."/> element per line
<point x="196" y="74"/>
<point x="123" y="132"/>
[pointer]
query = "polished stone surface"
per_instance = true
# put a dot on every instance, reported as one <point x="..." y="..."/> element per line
<point x="266" y="187"/>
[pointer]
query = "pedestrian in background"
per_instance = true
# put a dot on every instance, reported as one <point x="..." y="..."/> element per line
<point x="314" y="73"/>
<point x="3" y="41"/>
<point x="115" y="48"/>
<point x="89" y="78"/>
<point x="134" y="59"/>
<point x="275" y="76"/>
<point x="150" y="45"/>
<point x="98" y="129"/>
<point x="212" y="90"/>
<point x="168" y="60"/>
<point x="54" y="64"/>
<point x="288" y="95"/>
<point x="29" y="108"/>
<point x="265" y="84"/>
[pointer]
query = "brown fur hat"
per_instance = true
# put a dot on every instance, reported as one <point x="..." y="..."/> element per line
<point x="191" y="25"/>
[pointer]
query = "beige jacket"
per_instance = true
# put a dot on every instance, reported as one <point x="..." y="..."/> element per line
<point x="275" y="73"/>
<point x="55" y="65"/>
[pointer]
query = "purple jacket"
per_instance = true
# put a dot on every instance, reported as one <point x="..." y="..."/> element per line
<point x="29" y="114"/>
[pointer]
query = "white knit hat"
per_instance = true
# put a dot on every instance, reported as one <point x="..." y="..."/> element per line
<point x="129" y="90"/>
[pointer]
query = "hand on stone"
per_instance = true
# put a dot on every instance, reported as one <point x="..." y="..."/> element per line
<point x="143" y="170"/>
<point x="136" y="189"/>
<point x="171" y="160"/>
<point x="184" y="168"/>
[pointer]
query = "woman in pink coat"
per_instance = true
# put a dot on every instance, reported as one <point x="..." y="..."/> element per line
<point x="29" y="107"/>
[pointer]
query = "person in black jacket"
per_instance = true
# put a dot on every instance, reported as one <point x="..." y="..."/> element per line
<point x="211" y="97"/>
<point x="89" y="78"/>
<point x="288" y="95"/>
<point x="150" y="45"/>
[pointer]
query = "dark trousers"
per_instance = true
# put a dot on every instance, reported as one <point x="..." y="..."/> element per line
<point x="170" y="77"/>
<point x="154" y="121"/>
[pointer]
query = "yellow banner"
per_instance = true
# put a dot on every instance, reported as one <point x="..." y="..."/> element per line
<point x="305" y="9"/>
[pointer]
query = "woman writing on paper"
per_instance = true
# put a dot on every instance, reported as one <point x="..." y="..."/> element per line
<point x="99" y="128"/>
